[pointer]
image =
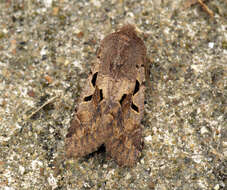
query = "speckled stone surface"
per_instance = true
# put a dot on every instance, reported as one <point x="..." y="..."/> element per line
<point x="46" y="51"/>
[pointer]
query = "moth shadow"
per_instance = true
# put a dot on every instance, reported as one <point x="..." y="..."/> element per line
<point x="100" y="153"/>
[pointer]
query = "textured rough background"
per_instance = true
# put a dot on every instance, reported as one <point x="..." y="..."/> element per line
<point x="46" y="50"/>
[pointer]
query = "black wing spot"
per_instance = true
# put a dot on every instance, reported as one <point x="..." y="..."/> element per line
<point x="70" y="133"/>
<point x="137" y="87"/>
<point x="122" y="98"/>
<point x="134" y="107"/>
<point x="138" y="66"/>
<point x="101" y="95"/>
<point x="88" y="98"/>
<point x="93" y="81"/>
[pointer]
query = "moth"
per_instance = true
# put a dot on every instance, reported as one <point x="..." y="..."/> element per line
<point x="111" y="106"/>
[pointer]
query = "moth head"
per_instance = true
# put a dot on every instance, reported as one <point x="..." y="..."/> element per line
<point x="122" y="53"/>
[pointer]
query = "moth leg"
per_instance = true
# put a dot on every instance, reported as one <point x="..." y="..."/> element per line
<point x="126" y="149"/>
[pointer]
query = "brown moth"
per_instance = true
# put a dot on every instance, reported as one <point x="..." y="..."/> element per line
<point x="112" y="104"/>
